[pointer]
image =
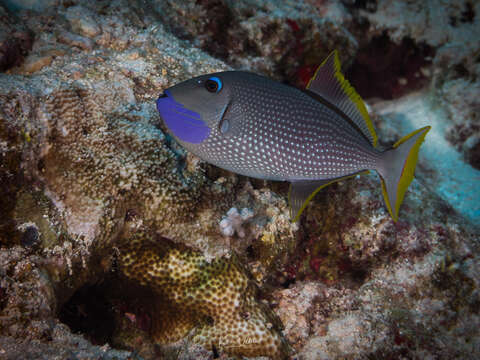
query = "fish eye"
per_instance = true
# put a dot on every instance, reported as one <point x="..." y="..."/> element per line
<point x="213" y="84"/>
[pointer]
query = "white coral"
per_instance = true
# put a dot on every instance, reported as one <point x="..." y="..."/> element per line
<point x="234" y="220"/>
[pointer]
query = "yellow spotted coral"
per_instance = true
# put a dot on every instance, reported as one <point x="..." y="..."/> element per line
<point x="217" y="300"/>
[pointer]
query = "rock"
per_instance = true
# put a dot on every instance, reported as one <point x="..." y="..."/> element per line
<point x="296" y="306"/>
<point x="34" y="63"/>
<point x="61" y="345"/>
<point x="410" y="20"/>
<point x="36" y="5"/>
<point x="83" y="21"/>
<point x="462" y="108"/>
<point x="76" y="40"/>
<point x="343" y="335"/>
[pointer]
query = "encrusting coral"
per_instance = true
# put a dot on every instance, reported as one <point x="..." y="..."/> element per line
<point x="99" y="152"/>
<point x="217" y="300"/>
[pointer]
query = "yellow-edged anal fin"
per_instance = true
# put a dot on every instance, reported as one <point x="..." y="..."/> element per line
<point x="301" y="192"/>
<point x="387" y="202"/>
<point x="329" y="82"/>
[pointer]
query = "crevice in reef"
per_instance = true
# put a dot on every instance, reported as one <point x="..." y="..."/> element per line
<point x="387" y="70"/>
<point x="466" y="16"/>
<point x="367" y="5"/>
<point x="89" y="312"/>
<point x="116" y="311"/>
<point x="11" y="181"/>
<point x="15" y="44"/>
<point x="3" y="298"/>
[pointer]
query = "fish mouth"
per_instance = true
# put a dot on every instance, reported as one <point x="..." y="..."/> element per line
<point x="186" y="124"/>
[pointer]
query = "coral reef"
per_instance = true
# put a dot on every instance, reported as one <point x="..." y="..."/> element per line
<point x="116" y="243"/>
<point x="273" y="37"/>
<point x="217" y="299"/>
<point x="385" y="287"/>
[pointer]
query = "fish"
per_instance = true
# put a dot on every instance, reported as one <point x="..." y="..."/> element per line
<point x="257" y="127"/>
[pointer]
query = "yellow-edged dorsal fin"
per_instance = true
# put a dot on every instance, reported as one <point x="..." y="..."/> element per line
<point x="330" y="84"/>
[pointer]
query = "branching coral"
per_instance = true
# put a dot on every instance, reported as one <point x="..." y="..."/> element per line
<point x="232" y="223"/>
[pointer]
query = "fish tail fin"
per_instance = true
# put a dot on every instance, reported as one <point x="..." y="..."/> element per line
<point x="396" y="169"/>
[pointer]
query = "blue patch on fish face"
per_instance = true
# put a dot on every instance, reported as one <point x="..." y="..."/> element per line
<point x="185" y="124"/>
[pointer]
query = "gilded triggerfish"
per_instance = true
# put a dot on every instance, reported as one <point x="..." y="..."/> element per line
<point x="254" y="126"/>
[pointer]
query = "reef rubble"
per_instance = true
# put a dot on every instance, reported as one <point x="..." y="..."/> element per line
<point x="116" y="243"/>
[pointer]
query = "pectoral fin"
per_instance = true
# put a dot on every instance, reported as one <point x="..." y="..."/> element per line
<point x="227" y="124"/>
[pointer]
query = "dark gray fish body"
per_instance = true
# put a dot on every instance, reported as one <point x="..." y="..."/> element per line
<point x="257" y="127"/>
<point x="278" y="132"/>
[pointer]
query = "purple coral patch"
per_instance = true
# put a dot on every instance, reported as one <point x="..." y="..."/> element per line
<point x="185" y="124"/>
